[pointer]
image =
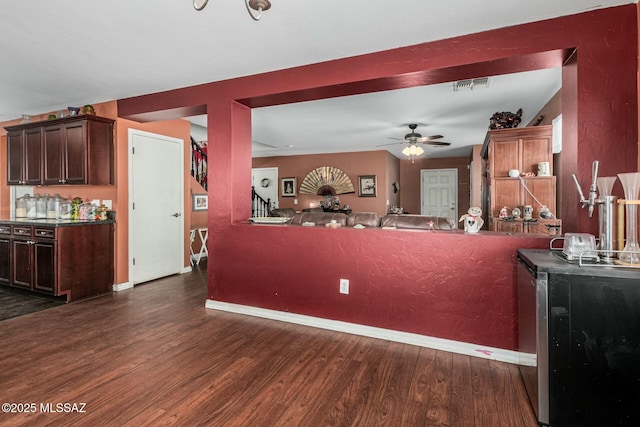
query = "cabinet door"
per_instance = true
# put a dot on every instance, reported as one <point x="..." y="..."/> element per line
<point x="15" y="158"/>
<point x="33" y="156"/>
<point x="507" y="226"/>
<point x="504" y="192"/>
<point x="544" y="189"/>
<point x="21" y="264"/>
<point x="551" y="227"/>
<point x="44" y="266"/>
<point x="5" y="260"/>
<point x="53" y="143"/>
<point x="534" y="151"/>
<point x="75" y="160"/>
<point x="504" y="156"/>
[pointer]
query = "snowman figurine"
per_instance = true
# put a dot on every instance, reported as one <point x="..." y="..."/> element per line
<point x="472" y="220"/>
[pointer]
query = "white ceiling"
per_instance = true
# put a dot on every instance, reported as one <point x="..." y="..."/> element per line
<point x="74" y="52"/>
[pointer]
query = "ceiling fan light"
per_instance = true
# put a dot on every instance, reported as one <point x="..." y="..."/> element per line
<point x="419" y="151"/>
<point x="406" y="151"/>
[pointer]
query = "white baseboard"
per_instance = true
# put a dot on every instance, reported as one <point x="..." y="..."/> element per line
<point x="122" y="286"/>
<point x="187" y="269"/>
<point x="467" y="349"/>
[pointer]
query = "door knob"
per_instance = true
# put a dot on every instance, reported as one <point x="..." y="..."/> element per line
<point x="177" y="214"/>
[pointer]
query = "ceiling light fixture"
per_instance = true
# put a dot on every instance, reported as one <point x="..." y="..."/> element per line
<point x="412" y="152"/>
<point x="252" y="5"/>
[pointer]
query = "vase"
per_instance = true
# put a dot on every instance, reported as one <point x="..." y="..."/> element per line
<point x="631" y="185"/>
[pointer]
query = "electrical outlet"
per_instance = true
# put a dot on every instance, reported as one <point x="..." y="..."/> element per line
<point x="344" y="286"/>
<point x="295" y="201"/>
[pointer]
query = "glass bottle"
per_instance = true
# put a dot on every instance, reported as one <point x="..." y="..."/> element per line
<point x="21" y="206"/>
<point x="53" y="207"/>
<point x="631" y="252"/>
<point x="41" y="206"/>
<point x="31" y="206"/>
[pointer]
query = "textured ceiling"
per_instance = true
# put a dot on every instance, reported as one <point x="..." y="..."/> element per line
<point x="73" y="52"/>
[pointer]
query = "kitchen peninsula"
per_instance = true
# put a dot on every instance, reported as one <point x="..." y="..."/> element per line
<point x="70" y="258"/>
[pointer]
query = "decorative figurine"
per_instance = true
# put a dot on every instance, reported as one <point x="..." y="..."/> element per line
<point x="504" y="212"/>
<point x="472" y="220"/>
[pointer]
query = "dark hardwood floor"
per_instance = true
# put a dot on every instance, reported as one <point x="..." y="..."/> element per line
<point x="155" y="356"/>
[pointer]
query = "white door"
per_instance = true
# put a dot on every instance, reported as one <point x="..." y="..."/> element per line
<point x="156" y="224"/>
<point x="439" y="189"/>
<point x="265" y="181"/>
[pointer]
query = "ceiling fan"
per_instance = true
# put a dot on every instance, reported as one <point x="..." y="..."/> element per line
<point x="414" y="138"/>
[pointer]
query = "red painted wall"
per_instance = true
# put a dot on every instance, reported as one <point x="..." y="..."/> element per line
<point x="448" y="285"/>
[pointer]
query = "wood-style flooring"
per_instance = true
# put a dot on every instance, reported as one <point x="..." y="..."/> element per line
<point x="155" y="356"/>
<point x="16" y="302"/>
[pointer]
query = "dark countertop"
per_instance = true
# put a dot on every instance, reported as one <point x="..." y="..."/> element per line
<point x="51" y="222"/>
<point x="547" y="261"/>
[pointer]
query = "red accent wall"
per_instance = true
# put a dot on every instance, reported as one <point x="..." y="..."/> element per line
<point x="448" y="285"/>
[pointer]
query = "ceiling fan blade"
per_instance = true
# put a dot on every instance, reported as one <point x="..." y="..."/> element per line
<point x="398" y="139"/>
<point x="391" y="143"/>
<point x="429" y="138"/>
<point x="437" y="143"/>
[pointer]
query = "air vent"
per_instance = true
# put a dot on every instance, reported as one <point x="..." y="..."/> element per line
<point x="471" y="84"/>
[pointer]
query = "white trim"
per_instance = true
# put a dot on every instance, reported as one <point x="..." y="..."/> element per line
<point x="187" y="269"/>
<point x="467" y="349"/>
<point x="117" y="287"/>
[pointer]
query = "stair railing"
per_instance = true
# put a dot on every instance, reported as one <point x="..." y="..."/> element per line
<point x="259" y="206"/>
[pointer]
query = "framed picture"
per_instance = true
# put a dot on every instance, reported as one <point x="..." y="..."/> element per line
<point x="367" y="186"/>
<point x="200" y="202"/>
<point x="288" y="187"/>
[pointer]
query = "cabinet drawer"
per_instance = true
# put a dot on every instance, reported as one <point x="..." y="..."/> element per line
<point x="22" y="230"/>
<point x="44" y="233"/>
<point x="5" y="229"/>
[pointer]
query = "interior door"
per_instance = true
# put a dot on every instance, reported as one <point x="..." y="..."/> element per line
<point x="265" y="182"/>
<point x="439" y="192"/>
<point x="156" y="233"/>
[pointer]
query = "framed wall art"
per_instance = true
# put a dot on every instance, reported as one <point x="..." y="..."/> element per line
<point x="288" y="187"/>
<point x="367" y="186"/>
<point x="200" y="202"/>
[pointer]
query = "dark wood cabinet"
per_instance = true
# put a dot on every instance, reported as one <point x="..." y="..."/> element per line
<point x="24" y="157"/>
<point x="5" y="254"/>
<point x="34" y="258"/>
<point x="75" y="261"/>
<point x="70" y="150"/>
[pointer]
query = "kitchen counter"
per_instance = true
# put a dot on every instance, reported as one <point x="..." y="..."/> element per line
<point x="52" y="222"/>
<point x="547" y="261"/>
<point x="57" y="257"/>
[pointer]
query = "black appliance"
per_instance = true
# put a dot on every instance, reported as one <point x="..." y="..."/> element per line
<point x="583" y="325"/>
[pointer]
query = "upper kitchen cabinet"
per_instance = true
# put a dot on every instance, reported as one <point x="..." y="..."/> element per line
<point x="24" y="156"/>
<point x="72" y="150"/>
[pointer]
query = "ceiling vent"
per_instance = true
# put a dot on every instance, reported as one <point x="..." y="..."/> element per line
<point x="471" y="84"/>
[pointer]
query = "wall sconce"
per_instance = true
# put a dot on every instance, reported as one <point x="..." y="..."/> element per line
<point x="252" y="5"/>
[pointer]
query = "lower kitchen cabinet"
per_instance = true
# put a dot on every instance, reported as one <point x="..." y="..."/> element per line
<point x="5" y="263"/>
<point x="62" y="259"/>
